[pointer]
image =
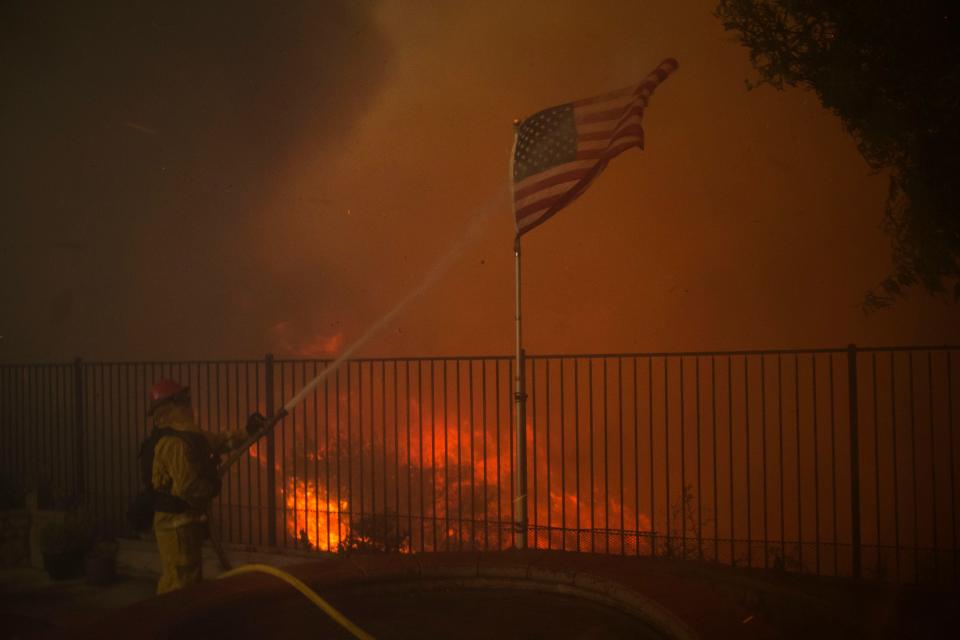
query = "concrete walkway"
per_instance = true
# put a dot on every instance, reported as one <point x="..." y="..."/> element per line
<point x="685" y="598"/>
<point x="32" y="605"/>
<point x="672" y="605"/>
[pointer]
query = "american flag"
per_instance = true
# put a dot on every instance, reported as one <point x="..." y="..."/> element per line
<point x="559" y="151"/>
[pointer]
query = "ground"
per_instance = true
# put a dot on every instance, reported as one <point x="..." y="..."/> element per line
<point x="475" y="595"/>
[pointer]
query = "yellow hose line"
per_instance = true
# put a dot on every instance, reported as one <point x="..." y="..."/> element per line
<point x="305" y="590"/>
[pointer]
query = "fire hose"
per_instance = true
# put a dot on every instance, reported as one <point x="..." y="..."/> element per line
<point x="310" y="594"/>
<point x="267" y="427"/>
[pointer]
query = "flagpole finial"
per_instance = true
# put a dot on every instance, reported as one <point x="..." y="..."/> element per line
<point x="516" y="122"/>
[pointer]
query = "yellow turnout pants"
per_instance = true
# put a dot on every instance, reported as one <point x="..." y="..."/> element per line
<point x="180" y="556"/>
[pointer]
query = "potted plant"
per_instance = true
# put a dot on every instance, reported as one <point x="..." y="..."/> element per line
<point x="101" y="562"/>
<point x="64" y="545"/>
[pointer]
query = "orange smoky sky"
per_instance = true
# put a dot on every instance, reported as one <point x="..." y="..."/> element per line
<point x="228" y="179"/>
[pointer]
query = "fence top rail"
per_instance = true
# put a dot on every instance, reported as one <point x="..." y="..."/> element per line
<point x="540" y="356"/>
<point x="741" y="352"/>
<point x="38" y="365"/>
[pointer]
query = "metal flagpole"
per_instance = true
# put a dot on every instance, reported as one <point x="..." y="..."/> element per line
<point x="520" y="499"/>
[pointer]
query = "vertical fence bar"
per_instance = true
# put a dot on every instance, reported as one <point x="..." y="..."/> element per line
<point x="833" y="467"/>
<point x="446" y="459"/>
<point x="716" y="490"/>
<point x="433" y="453"/>
<point x="284" y="446"/>
<point x="420" y="460"/>
<point x="699" y="475"/>
<point x="913" y="470"/>
<point x="249" y="461"/>
<point x="511" y="438"/>
<point x="816" y="464"/>
<point x="496" y="395"/>
<point x="349" y="400"/>
<point x="576" y="442"/>
<point x="363" y="513"/>
<point x="733" y="538"/>
<point x="876" y="457"/>
<point x="606" y="461"/>
<point x="763" y="457"/>
<point x="396" y="447"/>
<point x="746" y="429"/>
<point x="653" y="511"/>
<point x="460" y="461"/>
<point x="854" y="423"/>
<point x="636" y="455"/>
<point x="893" y="449"/>
<point x="683" y="469"/>
<point x="473" y="441"/>
<point x="500" y="527"/>
<point x="129" y="436"/>
<point x="306" y="460"/>
<point x="933" y="468"/>
<point x="78" y="415"/>
<point x="666" y="451"/>
<point x="953" y="485"/>
<point x="406" y="390"/>
<point x="783" y="522"/>
<point x="116" y="425"/>
<point x="271" y="453"/>
<point x="547" y="438"/>
<point x="101" y="441"/>
<point x="593" y="508"/>
<point x="383" y="444"/>
<point x="796" y="397"/>
<point x="623" y="502"/>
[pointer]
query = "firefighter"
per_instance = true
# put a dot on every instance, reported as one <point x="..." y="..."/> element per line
<point x="185" y="479"/>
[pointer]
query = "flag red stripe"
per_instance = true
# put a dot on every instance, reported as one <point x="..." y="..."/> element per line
<point x="634" y="112"/>
<point x="567" y="176"/>
<point x="608" y="152"/>
<point x="558" y="202"/>
<point x="629" y="128"/>
<point x="611" y="133"/>
<point x="619" y="93"/>
<point x="546" y="203"/>
<point x="600" y="116"/>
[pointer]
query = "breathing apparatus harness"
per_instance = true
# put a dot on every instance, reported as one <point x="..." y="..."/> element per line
<point x="151" y="499"/>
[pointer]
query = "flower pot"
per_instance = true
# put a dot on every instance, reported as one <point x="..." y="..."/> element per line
<point x="101" y="569"/>
<point x="64" y="565"/>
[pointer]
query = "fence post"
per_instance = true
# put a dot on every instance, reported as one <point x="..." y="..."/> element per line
<point x="852" y="387"/>
<point x="271" y="455"/>
<point x="78" y="409"/>
<point x="520" y="500"/>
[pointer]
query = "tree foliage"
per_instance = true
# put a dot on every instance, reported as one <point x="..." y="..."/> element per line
<point x="889" y="70"/>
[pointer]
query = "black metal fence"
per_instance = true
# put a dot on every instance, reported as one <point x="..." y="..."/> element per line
<point x="827" y="461"/>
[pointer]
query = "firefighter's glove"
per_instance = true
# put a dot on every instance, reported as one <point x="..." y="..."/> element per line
<point x="255" y="423"/>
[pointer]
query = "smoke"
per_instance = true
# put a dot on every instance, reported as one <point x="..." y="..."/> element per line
<point x="139" y="141"/>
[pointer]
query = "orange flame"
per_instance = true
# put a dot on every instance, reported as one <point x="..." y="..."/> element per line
<point x="314" y="519"/>
<point x="435" y="445"/>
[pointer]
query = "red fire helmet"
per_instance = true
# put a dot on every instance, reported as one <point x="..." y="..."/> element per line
<point x="164" y="390"/>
